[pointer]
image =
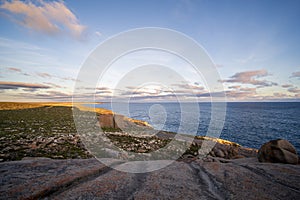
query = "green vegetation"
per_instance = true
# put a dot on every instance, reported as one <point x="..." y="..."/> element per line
<point x="44" y="131"/>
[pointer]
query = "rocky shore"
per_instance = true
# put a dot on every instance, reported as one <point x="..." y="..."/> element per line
<point x="43" y="157"/>
<point x="244" y="178"/>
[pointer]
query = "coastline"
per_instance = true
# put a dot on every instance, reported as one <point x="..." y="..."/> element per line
<point x="229" y="171"/>
<point x="43" y="141"/>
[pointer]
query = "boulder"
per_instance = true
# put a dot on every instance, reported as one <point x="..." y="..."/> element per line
<point x="278" y="151"/>
<point x="106" y="121"/>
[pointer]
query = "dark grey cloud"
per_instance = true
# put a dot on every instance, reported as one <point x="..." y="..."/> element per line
<point x="4" y="85"/>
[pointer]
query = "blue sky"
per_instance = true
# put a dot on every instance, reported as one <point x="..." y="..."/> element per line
<point x="254" y="44"/>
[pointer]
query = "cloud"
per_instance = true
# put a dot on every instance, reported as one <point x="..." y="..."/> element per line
<point x="53" y="85"/>
<point x="286" y="85"/>
<point x="17" y="70"/>
<point x="45" y="96"/>
<point x="40" y="74"/>
<point x="241" y="94"/>
<point x="5" y="85"/>
<point x="140" y="92"/>
<point x="14" y="69"/>
<point x="280" y="95"/>
<point x="188" y="86"/>
<point x="234" y="87"/>
<point x="98" y="34"/>
<point x="103" y="90"/>
<point x="250" y="77"/>
<point x="296" y="74"/>
<point x="248" y="89"/>
<point x="211" y="94"/>
<point x="294" y="90"/>
<point x="47" y="17"/>
<point x="47" y="75"/>
<point x="44" y="75"/>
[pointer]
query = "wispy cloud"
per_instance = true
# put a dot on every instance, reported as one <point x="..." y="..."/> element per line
<point x="4" y="85"/>
<point x="47" y="17"/>
<point x="53" y="85"/>
<point x="49" y="76"/>
<point x="16" y="70"/>
<point x="251" y="77"/>
<point x="44" y="75"/>
<point x="188" y="86"/>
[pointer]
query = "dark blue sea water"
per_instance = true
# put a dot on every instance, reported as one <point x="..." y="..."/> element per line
<point x="248" y="123"/>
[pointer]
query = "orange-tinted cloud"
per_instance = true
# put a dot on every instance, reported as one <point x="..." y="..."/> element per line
<point x="46" y="17"/>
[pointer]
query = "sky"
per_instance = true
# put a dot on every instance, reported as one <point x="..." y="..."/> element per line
<point x="253" y="44"/>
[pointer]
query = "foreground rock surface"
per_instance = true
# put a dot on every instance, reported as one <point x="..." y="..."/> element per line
<point x="244" y="178"/>
<point x="278" y="151"/>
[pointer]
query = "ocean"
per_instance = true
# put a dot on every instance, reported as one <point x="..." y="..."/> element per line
<point x="249" y="124"/>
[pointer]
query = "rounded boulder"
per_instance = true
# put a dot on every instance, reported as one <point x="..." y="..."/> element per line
<point x="278" y="151"/>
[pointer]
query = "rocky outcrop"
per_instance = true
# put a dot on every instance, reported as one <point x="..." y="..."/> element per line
<point x="278" y="151"/>
<point x="198" y="179"/>
<point x="116" y="121"/>
<point x="145" y="142"/>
